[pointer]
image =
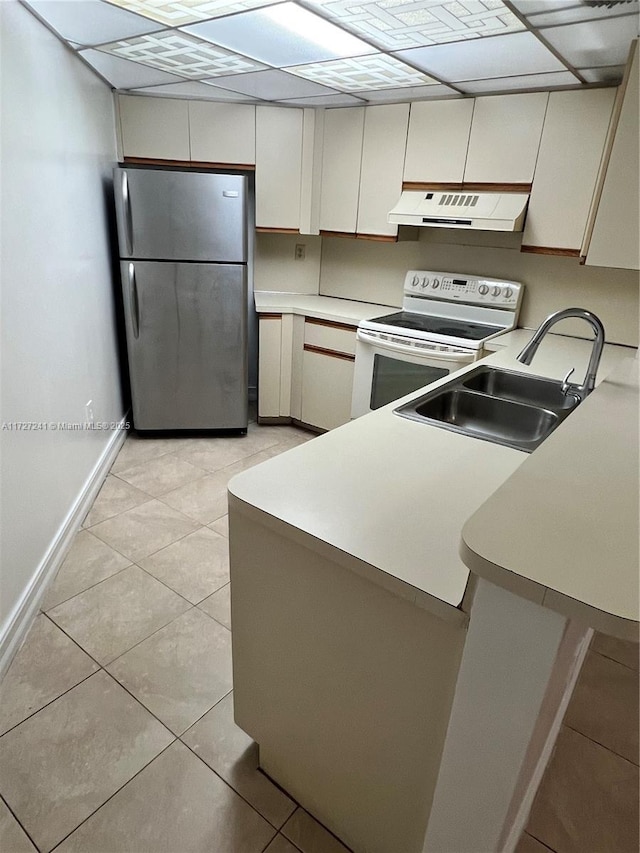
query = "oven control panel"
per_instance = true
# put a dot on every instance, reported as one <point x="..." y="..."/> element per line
<point x="460" y="287"/>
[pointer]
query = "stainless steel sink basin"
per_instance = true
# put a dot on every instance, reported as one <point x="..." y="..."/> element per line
<point x="514" y="409"/>
<point x="521" y="387"/>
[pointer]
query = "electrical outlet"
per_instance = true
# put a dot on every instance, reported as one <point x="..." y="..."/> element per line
<point x="300" y="252"/>
<point x="88" y="414"/>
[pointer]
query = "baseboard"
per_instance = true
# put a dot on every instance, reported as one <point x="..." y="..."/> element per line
<point x="26" y="609"/>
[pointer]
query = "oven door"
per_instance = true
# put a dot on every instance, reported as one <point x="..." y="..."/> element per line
<point x="385" y="371"/>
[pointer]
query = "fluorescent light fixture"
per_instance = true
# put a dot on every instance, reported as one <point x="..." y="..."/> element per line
<point x="314" y="29"/>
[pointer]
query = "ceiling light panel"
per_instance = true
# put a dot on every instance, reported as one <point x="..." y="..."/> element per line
<point x="399" y="24"/>
<point x="341" y="100"/>
<point x="174" y="13"/>
<point x="412" y="93"/>
<point x="180" y="54"/>
<point x="576" y="14"/>
<point x="366" y="72"/>
<point x="499" y="56"/>
<point x="123" y="74"/>
<point x="90" y="22"/>
<point x="284" y="34"/>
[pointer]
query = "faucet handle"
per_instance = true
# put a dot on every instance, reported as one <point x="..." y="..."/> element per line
<point x="566" y="385"/>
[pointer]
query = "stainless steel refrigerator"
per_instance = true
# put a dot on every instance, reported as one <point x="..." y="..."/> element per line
<point x="183" y="260"/>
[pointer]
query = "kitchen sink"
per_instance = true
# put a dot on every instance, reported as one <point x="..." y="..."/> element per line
<point x="501" y="406"/>
<point x="521" y="387"/>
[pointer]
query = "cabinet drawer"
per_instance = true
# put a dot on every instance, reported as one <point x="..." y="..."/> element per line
<point x="330" y="336"/>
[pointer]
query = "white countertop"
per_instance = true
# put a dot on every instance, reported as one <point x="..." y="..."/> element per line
<point x="571" y="541"/>
<point x="395" y="494"/>
<point x="323" y="307"/>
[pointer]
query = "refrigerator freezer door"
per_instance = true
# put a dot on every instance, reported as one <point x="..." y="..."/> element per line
<point x="187" y="344"/>
<point x="181" y="216"/>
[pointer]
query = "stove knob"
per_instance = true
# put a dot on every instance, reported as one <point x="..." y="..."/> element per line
<point x="495" y="291"/>
<point x="425" y="282"/>
<point x="414" y="281"/>
<point x="435" y="283"/>
<point x="508" y="293"/>
<point x="483" y="290"/>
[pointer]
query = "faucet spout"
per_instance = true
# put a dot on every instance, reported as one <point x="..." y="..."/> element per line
<point x="527" y="354"/>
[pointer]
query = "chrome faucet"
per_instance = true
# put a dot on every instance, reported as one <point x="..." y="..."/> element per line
<point x="570" y="389"/>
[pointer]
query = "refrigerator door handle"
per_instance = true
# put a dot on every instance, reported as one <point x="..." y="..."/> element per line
<point x="135" y="305"/>
<point x="128" y="222"/>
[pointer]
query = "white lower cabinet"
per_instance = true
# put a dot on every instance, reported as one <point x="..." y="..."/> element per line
<point x="327" y="383"/>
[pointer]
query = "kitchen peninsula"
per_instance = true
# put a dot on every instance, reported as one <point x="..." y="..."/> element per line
<point x="400" y="697"/>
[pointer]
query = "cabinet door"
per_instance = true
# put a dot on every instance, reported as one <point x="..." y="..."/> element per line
<point x="327" y="383"/>
<point x="383" y="147"/>
<point x="573" y="138"/>
<point x="269" y="361"/>
<point x="157" y="128"/>
<point x="341" y="160"/>
<point x="505" y="137"/>
<point x="223" y="133"/>
<point x="278" y="167"/>
<point x="614" y="242"/>
<point x="437" y="141"/>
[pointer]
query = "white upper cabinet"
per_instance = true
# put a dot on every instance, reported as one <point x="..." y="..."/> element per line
<point x="157" y="128"/>
<point x="383" y="148"/>
<point x="278" y="167"/>
<point x="341" y="162"/>
<point x="505" y="137"/>
<point x="573" y="139"/>
<point x="223" y="133"/>
<point x="615" y="240"/>
<point x="437" y="141"/>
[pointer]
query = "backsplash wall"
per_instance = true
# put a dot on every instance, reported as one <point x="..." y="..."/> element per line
<point x="371" y="271"/>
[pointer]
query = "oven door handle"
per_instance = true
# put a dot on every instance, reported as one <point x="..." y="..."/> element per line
<point x="434" y="355"/>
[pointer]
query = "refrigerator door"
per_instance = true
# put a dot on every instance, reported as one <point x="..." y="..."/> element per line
<point x="181" y="216"/>
<point x="187" y="344"/>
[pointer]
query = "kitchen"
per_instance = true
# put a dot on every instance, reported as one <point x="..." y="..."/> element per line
<point x="62" y="334"/>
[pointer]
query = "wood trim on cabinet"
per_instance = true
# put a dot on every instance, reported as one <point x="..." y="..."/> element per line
<point x="379" y="238"/>
<point x="467" y="187"/>
<point x="332" y="324"/>
<point x="189" y="164"/>
<point x="270" y="316"/>
<point x="261" y="229"/>
<point x="330" y="352"/>
<point x="337" y="234"/>
<point x="551" y="250"/>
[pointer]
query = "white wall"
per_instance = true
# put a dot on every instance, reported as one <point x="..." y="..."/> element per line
<point x="58" y="328"/>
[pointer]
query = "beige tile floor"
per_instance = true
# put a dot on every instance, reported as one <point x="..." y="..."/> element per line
<point x="116" y="716"/>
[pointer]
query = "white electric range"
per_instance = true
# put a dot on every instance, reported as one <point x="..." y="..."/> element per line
<point x="445" y="321"/>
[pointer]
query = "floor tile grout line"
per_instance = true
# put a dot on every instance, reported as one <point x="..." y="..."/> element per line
<point x="19" y="822"/>
<point x="111" y="796"/>
<point x="597" y="743"/>
<point x="614" y="660"/>
<point x="526" y="832"/>
<point x="76" y="594"/>
<point x="171" y="589"/>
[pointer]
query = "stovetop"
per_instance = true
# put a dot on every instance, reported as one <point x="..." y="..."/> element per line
<point x="429" y="325"/>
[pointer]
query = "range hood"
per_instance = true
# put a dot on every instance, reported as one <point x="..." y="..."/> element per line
<point x="458" y="209"/>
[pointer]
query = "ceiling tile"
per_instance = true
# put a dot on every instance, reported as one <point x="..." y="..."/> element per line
<point x="174" y="13"/>
<point x="193" y="89"/>
<point x="412" y="93"/>
<point x="520" y="83"/>
<point x="593" y="43"/>
<point x="90" y="22"/>
<point x="123" y="74"/>
<point x="394" y="25"/>
<point x="606" y="74"/>
<point x="575" y="14"/>
<point x="272" y="85"/>
<point x="284" y="34"/>
<point x="181" y="54"/>
<point x="366" y="72"/>
<point x="324" y="101"/>
<point x="497" y="56"/>
<point x="532" y="7"/>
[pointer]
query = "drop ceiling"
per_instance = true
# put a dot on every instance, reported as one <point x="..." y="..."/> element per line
<point x="333" y="53"/>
